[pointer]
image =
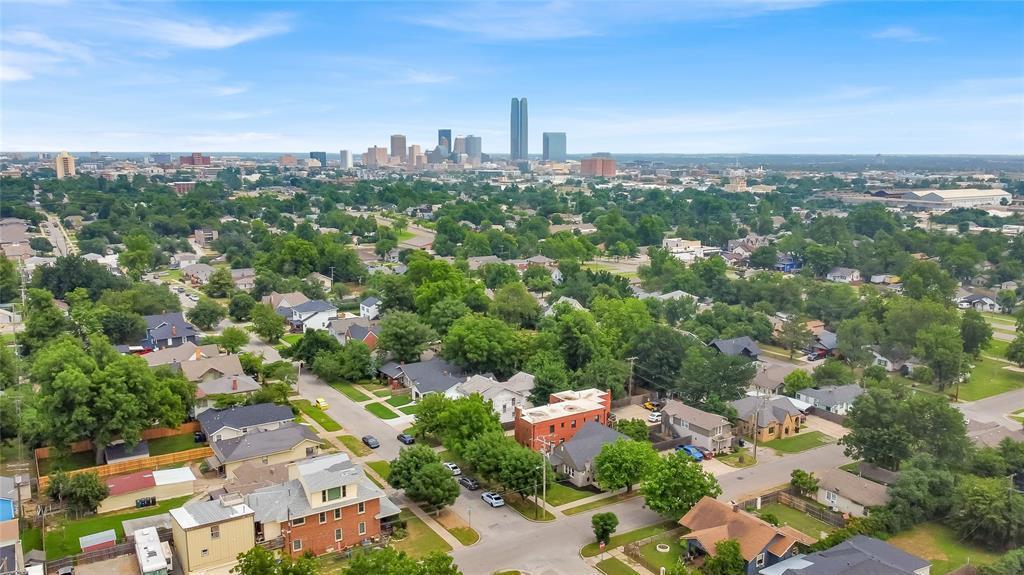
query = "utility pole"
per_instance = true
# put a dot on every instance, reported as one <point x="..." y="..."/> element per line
<point x="546" y="445"/>
<point x="629" y="384"/>
<point x="332" y="277"/>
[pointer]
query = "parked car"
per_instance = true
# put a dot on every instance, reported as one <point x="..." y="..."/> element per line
<point x="492" y="499"/>
<point x="371" y="441"/>
<point x="691" y="451"/>
<point x="707" y="453"/>
<point x="453" y="468"/>
<point x="654" y="405"/>
<point x="321" y="403"/>
<point x="654" y="417"/>
<point x="193" y="297"/>
<point x="406" y="439"/>
<point x="469" y="483"/>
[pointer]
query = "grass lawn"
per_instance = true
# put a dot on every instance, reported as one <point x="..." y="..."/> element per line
<point x="421" y="540"/>
<point x="800" y="521"/>
<point x="291" y="338"/>
<point x="383" y="393"/>
<point x="996" y="347"/>
<point x="351" y="392"/>
<point x="612" y="566"/>
<point x="657" y="559"/>
<point x="733" y="459"/>
<point x="941" y="545"/>
<point x="1018" y="415"/>
<point x="409" y="409"/>
<point x="381" y="411"/>
<point x="561" y="493"/>
<point x="355" y="445"/>
<point x="383" y="468"/>
<point x="31" y="539"/>
<point x="527" y="508"/>
<point x="802" y="442"/>
<point x="405" y="235"/>
<point x="600" y="503"/>
<point x="620" y="539"/>
<point x="316" y="414"/>
<point x="79" y="460"/>
<point x="851" y="467"/>
<point x="172" y="444"/>
<point x="465" y="535"/>
<point x="988" y="378"/>
<point x="64" y="540"/>
<point x="399" y="400"/>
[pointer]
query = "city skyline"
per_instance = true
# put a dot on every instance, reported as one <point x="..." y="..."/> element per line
<point x="752" y="76"/>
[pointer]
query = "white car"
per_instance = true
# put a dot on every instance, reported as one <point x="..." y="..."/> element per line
<point x="492" y="499"/>
<point x="654" y="417"/>
<point x="453" y="468"/>
<point x="193" y="297"/>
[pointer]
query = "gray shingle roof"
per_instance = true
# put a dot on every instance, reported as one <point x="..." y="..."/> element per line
<point x="213" y="420"/>
<point x="433" y="375"/>
<point x="586" y="444"/>
<point x="160" y="326"/>
<point x="702" y="419"/>
<point x="369" y="302"/>
<point x="262" y="443"/>
<point x="861" y="555"/>
<point x="314" y="306"/>
<point x="856" y="489"/>
<point x="737" y="346"/>
<point x="774" y="411"/>
<point x="833" y="395"/>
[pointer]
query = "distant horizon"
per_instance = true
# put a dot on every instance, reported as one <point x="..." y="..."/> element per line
<point x="337" y="155"/>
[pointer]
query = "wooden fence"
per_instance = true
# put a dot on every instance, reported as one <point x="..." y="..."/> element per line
<point x="785" y="497"/>
<point x="133" y="465"/>
<point x="154" y="433"/>
<point x="84" y="558"/>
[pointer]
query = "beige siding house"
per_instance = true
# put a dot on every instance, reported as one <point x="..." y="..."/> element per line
<point x="209" y="535"/>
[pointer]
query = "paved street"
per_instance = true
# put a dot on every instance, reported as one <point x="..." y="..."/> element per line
<point x="995" y="408"/>
<point x="57" y="236"/>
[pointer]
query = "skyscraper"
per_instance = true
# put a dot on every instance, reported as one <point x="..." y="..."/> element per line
<point x="554" y="146"/>
<point x="320" y="157"/>
<point x="459" y="146"/>
<point x="398" y="149"/>
<point x="346" y="160"/>
<point x="520" y="130"/>
<point x="474" y="146"/>
<point x="375" y="157"/>
<point x="444" y="140"/>
<point x="65" y="165"/>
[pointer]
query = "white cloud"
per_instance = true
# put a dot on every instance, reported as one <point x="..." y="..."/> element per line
<point x="230" y="90"/>
<point x="40" y="41"/>
<point x="901" y="34"/>
<point x="10" y="73"/>
<point x="203" y="35"/>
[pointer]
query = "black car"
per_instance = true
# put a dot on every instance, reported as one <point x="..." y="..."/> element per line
<point x="406" y="438"/>
<point x="371" y="441"/>
<point x="469" y="483"/>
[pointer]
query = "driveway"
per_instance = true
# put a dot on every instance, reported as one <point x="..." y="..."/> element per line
<point x="829" y="428"/>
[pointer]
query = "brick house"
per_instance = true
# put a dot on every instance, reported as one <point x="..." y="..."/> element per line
<point x="770" y="417"/>
<point x="558" y="421"/>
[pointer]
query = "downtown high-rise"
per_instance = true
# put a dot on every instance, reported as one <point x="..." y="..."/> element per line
<point x="554" y="147"/>
<point x="520" y="130"/>
<point x="444" y="142"/>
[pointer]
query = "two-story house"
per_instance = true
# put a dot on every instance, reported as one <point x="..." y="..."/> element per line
<point x="505" y="396"/>
<point x="575" y="458"/>
<point x="708" y="430"/>
<point x="289" y="442"/>
<point x="313" y="314"/>
<point x="168" y="330"/>
<point x="209" y="535"/>
<point x="369" y="308"/>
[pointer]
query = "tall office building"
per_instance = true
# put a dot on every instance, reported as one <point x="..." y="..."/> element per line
<point x="346" y="160"/>
<point x="520" y="130"/>
<point x="444" y="141"/>
<point x="474" y="146"/>
<point x="65" y="165"/>
<point x="599" y="166"/>
<point x="320" y="157"/>
<point x="554" y="146"/>
<point x="196" y="159"/>
<point x="375" y="157"/>
<point x="459" y="147"/>
<point x="398" y="149"/>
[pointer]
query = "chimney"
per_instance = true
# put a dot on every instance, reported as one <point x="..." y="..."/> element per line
<point x="199" y="353"/>
<point x="174" y="330"/>
<point x="234" y="384"/>
<point x="735" y="506"/>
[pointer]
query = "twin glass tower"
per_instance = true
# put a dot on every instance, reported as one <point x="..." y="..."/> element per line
<point x="520" y="130"/>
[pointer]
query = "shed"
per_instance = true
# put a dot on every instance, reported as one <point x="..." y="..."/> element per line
<point x="121" y="451"/>
<point x="96" y="541"/>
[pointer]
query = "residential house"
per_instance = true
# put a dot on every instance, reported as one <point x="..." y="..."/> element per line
<point x="355" y="329"/>
<point x="505" y="396"/>
<point x="885" y="279"/>
<point x="737" y="346"/>
<point x="290" y="299"/>
<point x="183" y="259"/>
<point x="186" y="352"/>
<point x="991" y="434"/>
<point x="702" y="429"/>
<point x="858" y="555"/>
<point x="474" y="263"/>
<point x="761" y="544"/>
<point x="327" y="504"/>
<point x="770" y="417"/>
<point x="243" y="278"/>
<point x="787" y="264"/>
<point x="980" y="303"/>
<point x="843" y="275"/>
<point x="211" y="368"/>
<point x="560" y="303"/>
<point x="125" y="491"/>
<point x="575" y="457"/>
<point x="289" y="442"/>
<point x="557" y="422"/>
<point x="424" y="377"/>
<point x="13" y="491"/>
<point x="847" y="493"/>
<point x="205" y="236"/>
<point x="198" y="274"/>
<point x="236" y="421"/>
<point x="369" y="308"/>
<point x="209" y="390"/>
<point x="836" y="399"/>
<point x="209" y="535"/>
<point x="313" y="314"/>
<point x="168" y="330"/>
<point x="904" y="366"/>
<point x="319" y="278"/>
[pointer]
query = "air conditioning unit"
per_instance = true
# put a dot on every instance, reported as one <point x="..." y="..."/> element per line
<point x="835" y="509"/>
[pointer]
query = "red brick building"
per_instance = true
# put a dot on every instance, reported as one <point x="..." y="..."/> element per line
<point x="196" y="159"/>
<point x="604" y="167"/>
<point x="558" y="421"/>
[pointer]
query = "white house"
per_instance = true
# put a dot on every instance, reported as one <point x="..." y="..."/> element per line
<point x="369" y="308"/>
<point x="836" y="399"/>
<point x="980" y="303"/>
<point x="843" y="275"/>
<point x="505" y="396"/>
<point x="313" y="314"/>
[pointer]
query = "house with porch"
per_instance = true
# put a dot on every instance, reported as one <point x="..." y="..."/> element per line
<point x="168" y="330"/>
<point x="699" y="428"/>
<point x="505" y="396"/>
<point x="434" y="375"/>
<point x="575" y="458"/>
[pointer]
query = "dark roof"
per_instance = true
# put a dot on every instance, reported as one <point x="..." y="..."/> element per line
<point x="861" y="555"/>
<point x="361" y="331"/>
<point x="737" y="346"/>
<point x="314" y="306"/>
<point x="370" y="301"/>
<point x="122" y="451"/>
<point x="213" y="420"/>
<point x="774" y="410"/>
<point x="833" y="395"/>
<point x="262" y="443"/>
<point x="827" y="339"/>
<point x="433" y="375"/>
<point x="586" y="444"/>
<point x="391" y="369"/>
<point x="160" y="326"/>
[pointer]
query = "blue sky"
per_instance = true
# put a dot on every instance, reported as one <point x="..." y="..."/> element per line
<point x="759" y="76"/>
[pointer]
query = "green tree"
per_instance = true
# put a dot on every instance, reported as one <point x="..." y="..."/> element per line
<point x="497" y="275"/>
<point x="240" y="306"/>
<point x="624" y="463"/>
<point x="604" y="525"/>
<point x="676" y="484"/>
<point x="266" y="323"/>
<point x="428" y="416"/>
<point x="635" y="429"/>
<point x="987" y="512"/>
<point x="434" y="486"/>
<point x="404" y="336"/>
<point x="727" y="560"/>
<point x="410" y="461"/>
<point x="942" y="349"/>
<point x="206" y="314"/>
<point x="387" y="561"/>
<point x="832" y="372"/>
<point x="483" y="344"/>
<point x="232" y="339"/>
<point x="975" y="332"/>
<point x="853" y="338"/>
<point x="926" y="280"/>
<point x="313" y="343"/>
<point x="1011" y="563"/>
<point x="795" y="381"/>
<point x="260" y="561"/>
<point x="922" y="492"/>
<point x="764" y="257"/>
<point x="350" y="363"/>
<point x="8" y="368"/>
<point x="84" y="492"/>
<point x="464" y="419"/>
<point x="604" y="372"/>
<point x="10" y="283"/>
<point x="521" y="470"/>
<point x="1007" y="299"/>
<point x="513" y="304"/>
<point x="1015" y="351"/>
<point x="805" y="483"/>
<point x="220" y="284"/>
<point x="794" y="335"/>
<point x="43" y="321"/>
<point x="549" y="375"/>
<point x="446" y="312"/>
<point x="137" y="256"/>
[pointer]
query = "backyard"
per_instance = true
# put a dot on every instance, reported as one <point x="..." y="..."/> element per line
<point x="797" y="520"/>
<point x="797" y="443"/>
<point x="63" y="541"/>
<point x="316" y="414"/>
<point x="172" y="444"/>
<point x="941" y="545"/>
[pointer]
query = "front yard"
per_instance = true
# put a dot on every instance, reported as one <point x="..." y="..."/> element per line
<point x="355" y="445"/>
<point x="657" y="559"/>
<point x="733" y="459"/>
<point x="801" y="442"/>
<point x="989" y="377"/>
<point x="941" y="545"/>
<point x="316" y="414"/>
<point x="421" y="540"/>
<point x="380" y="410"/>
<point x="351" y="392"/>
<point x="620" y="539"/>
<point x="612" y="566"/>
<point x="561" y="493"/>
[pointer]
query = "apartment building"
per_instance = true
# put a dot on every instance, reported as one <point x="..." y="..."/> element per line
<point x="558" y="421"/>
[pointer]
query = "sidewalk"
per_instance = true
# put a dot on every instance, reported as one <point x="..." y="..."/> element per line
<point x="558" y="511"/>
<point x="434" y="525"/>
